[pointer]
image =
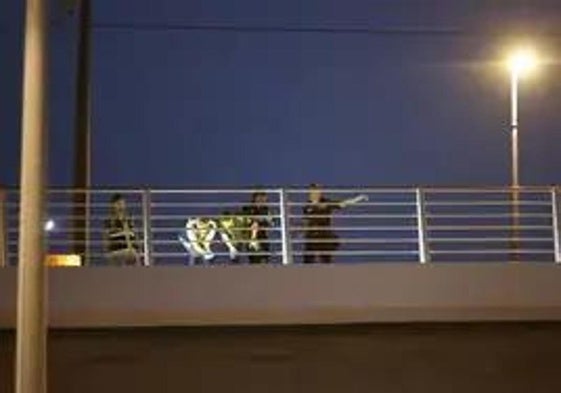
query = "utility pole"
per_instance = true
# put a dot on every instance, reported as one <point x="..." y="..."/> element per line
<point x="31" y="335"/>
<point x="82" y="133"/>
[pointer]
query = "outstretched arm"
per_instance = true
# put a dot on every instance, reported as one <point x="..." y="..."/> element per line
<point x="354" y="200"/>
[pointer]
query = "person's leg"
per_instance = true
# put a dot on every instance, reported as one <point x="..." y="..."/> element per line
<point x="308" y="257"/>
<point x="265" y="250"/>
<point x="118" y="258"/>
<point x="328" y="248"/>
<point x="131" y="258"/>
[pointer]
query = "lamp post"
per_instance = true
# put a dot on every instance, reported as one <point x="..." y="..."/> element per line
<point x="520" y="63"/>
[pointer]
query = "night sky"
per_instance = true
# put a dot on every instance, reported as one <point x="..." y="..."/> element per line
<point x="286" y="92"/>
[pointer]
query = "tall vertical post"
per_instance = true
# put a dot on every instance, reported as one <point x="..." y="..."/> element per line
<point x="147" y="226"/>
<point x="424" y="253"/>
<point x="3" y="230"/>
<point x="515" y="159"/>
<point x="285" y="228"/>
<point x="82" y="132"/>
<point x="555" y="220"/>
<point x="515" y="181"/>
<point x="31" y="312"/>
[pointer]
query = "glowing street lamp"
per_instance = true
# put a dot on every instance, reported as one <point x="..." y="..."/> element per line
<point x="50" y="225"/>
<point x="520" y="63"/>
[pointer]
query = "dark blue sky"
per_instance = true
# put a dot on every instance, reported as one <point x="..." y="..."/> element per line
<point x="275" y="105"/>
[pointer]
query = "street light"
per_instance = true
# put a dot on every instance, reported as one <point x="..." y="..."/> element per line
<point x="50" y="225"/>
<point x="520" y="63"/>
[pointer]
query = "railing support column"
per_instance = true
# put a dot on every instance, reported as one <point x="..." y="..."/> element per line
<point x="147" y="226"/>
<point x="424" y="253"/>
<point x="555" y="222"/>
<point x="285" y="228"/>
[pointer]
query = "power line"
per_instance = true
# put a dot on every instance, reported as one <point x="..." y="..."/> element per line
<point x="365" y="30"/>
<point x="276" y="29"/>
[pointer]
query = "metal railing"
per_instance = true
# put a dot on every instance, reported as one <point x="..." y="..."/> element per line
<point x="393" y="224"/>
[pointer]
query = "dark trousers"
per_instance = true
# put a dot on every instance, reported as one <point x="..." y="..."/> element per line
<point x="316" y="250"/>
<point x="263" y="252"/>
<point x="311" y="257"/>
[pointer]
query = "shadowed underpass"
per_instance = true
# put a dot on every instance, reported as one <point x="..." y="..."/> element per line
<point x="491" y="357"/>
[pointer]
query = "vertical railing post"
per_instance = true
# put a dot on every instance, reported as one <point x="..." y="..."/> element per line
<point x="147" y="226"/>
<point x="424" y="253"/>
<point x="285" y="228"/>
<point x="555" y="223"/>
<point x="3" y="230"/>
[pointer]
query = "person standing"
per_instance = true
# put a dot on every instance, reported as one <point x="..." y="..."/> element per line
<point x="259" y="223"/>
<point x="321" y="241"/>
<point x="120" y="238"/>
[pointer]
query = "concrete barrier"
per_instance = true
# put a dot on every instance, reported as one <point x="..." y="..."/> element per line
<point x="298" y="294"/>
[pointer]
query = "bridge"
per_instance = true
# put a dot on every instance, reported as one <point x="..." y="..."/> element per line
<point x="405" y="255"/>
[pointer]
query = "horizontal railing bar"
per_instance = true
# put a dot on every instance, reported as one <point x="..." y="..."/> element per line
<point x="216" y="254"/>
<point x="505" y="251"/>
<point x="356" y="228"/>
<point x="60" y="230"/>
<point x="490" y="239"/>
<point x="358" y="253"/>
<point x="79" y="191"/>
<point x="485" y="227"/>
<point x="69" y="242"/>
<point x="215" y="191"/>
<point x="166" y="205"/>
<point x="489" y="216"/>
<point x="65" y="218"/>
<point x="163" y="217"/>
<point x="358" y="240"/>
<point x="362" y="190"/>
<point x="182" y="229"/>
<point x="487" y="189"/>
<point x="355" y="216"/>
<point x="176" y="241"/>
<point x="489" y="203"/>
<point x="408" y="204"/>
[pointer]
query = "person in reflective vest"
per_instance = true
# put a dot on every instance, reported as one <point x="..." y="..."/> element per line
<point x="234" y="230"/>
<point x="198" y="237"/>
<point x="120" y="238"/>
<point x="260" y="221"/>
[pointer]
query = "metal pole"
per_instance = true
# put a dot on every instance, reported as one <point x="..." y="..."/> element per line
<point x="424" y="254"/>
<point x="514" y="128"/>
<point x="555" y="222"/>
<point x="515" y="175"/>
<point x="31" y="312"/>
<point x="82" y="132"/>
<point x="3" y="230"/>
<point x="147" y="226"/>
<point x="285" y="228"/>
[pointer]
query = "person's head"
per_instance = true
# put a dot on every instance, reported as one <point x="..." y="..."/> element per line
<point x="118" y="205"/>
<point x="315" y="193"/>
<point x="259" y="198"/>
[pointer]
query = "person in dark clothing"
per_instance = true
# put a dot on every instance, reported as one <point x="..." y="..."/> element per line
<point x="259" y="221"/>
<point x="321" y="241"/>
<point x="120" y="238"/>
